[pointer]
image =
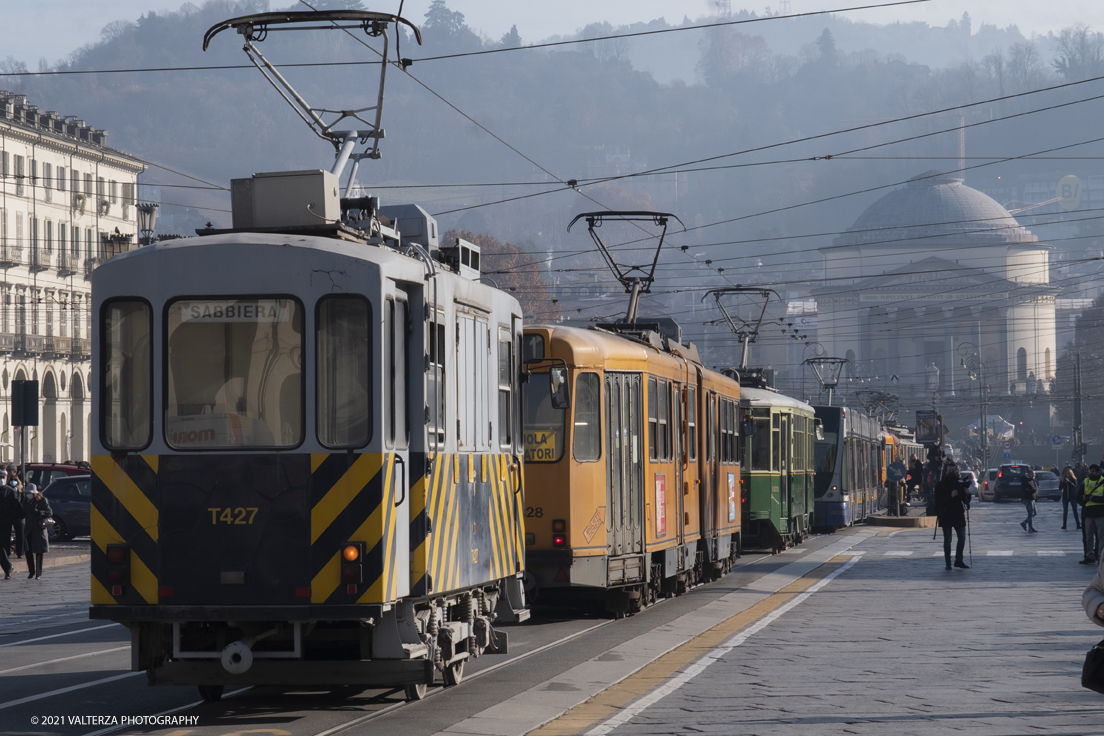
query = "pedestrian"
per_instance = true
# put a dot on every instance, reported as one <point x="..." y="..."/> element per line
<point x="13" y="482"/>
<point x="952" y="498"/>
<point x="1093" y="598"/>
<point x="1069" y="487"/>
<point x="915" y="478"/>
<point x="36" y="510"/>
<point x="1029" y="492"/>
<point x="1091" y="497"/>
<point x="11" y="511"/>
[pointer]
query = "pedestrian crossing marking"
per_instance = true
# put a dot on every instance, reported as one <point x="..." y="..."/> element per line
<point x="999" y="553"/>
<point x="793" y="551"/>
<point x="1050" y="553"/>
<point x="899" y="553"/>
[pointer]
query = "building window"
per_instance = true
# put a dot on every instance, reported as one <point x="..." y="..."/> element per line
<point x="89" y="243"/>
<point x="88" y="184"/>
<point x="49" y="313"/>
<point x="19" y="229"/>
<point x="63" y="239"/>
<point x="63" y="320"/>
<point x="20" y="176"/>
<point x="48" y="182"/>
<point x="128" y="198"/>
<point x="74" y="184"/>
<point x="114" y="187"/>
<point x="100" y="188"/>
<point x="1021" y="364"/>
<point x="34" y="232"/>
<point x="61" y="179"/>
<point x="48" y="234"/>
<point x="5" y="162"/>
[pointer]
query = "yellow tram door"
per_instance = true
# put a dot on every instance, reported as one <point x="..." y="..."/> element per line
<point x="624" y="464"/>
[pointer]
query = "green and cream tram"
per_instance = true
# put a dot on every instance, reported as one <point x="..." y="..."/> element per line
<point x="776" y="492"/>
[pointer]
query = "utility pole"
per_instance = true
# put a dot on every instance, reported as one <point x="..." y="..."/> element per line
<point x="1078" y="433"/>
<point x="984" y="399"/>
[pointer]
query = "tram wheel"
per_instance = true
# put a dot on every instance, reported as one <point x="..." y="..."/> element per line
<point x="454" y="673"/>
<point x="211" y="693"/>
<point x="416" y="692"/>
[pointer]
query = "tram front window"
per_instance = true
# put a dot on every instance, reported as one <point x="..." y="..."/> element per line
<point x="234" y="373"/>
<point x="544" y="424"/>
<point x="824" y="453"/>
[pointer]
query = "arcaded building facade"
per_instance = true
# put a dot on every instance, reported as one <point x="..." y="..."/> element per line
<point x="67" y="203"/>
<point x="924" y="272"/>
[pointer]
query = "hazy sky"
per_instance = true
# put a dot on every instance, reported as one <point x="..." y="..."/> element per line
<point x="35" y="29"/>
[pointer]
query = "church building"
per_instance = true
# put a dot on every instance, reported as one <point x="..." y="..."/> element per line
<point x="930" y="275"/>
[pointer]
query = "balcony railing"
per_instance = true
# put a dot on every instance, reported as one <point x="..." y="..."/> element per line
<point x="81" y="347"/>
<point x="40" y="259"/>
<point x="90" y="265"/>
<point x="11" y="255"/>
<point x="33" y="344"/>
<point x="66" y="263"/>
<point x="7" y="342"/>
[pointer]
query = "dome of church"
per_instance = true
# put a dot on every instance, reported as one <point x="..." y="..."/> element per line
<point x="936" y="207"/>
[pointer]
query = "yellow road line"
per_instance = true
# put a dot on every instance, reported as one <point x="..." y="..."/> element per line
<point x="611" y="700"/>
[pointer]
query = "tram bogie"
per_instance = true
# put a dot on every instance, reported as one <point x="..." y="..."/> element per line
<point x="631" y="473"/>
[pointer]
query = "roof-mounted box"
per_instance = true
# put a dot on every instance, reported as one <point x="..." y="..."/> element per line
<point x="285" y="199"/>
<point x="414" y="224"/>
<point x="464" y="258"/>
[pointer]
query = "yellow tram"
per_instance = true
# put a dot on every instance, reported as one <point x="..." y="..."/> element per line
<point x="632" y="469"/>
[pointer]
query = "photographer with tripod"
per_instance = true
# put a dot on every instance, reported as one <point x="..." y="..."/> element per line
<point x="952" y="499"/>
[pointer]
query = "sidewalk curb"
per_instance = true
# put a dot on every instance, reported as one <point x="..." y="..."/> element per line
<point x="913" y="522"/>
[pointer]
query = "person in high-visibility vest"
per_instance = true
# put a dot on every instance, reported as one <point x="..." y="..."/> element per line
<point x="1091" y="497"/>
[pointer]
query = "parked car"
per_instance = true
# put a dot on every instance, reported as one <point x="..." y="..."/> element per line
<point x="70" y="498"/>
<point x="1049" y="485"/>
<point x="43" y="474"/>
<point x="972" y="477"/>
<point x="1008" y="485"/>
<point x="988" y="484"/>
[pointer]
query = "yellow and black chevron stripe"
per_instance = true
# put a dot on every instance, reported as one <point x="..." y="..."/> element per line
<point x="125" y="511"/>
<point x="353" y="500"/>
<point x="476" y="521"/>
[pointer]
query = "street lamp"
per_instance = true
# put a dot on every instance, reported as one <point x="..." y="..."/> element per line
<point x="147" y="220"/>
<point x="971" y="361"/>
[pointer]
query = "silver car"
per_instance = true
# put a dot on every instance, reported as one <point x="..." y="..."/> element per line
<point x="1048" y="485"/>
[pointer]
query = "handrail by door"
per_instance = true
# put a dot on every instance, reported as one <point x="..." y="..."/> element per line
<point x="399" y="461"/>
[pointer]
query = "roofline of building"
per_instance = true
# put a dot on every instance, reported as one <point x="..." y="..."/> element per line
<point x="76" y="147"/>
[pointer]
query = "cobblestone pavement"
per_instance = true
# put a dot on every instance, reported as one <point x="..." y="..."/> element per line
<point x="898" y="645"/>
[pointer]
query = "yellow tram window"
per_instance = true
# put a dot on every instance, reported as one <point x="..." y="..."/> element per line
<point x="587" y="447"/>
<point x="343" y="395"/>
<point x="544" y="423"/>
<point x="234" y="373"/>
<point x="126" y="408"/>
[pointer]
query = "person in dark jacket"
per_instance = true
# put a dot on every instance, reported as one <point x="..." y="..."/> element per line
<point x="1069" y="486"/>
<point x="11" y="512"/>
<point x="1029" y="492"/>
<point x="36" y="510"/>
<point x="915" y="478"/>
<point x="952" y="498"/>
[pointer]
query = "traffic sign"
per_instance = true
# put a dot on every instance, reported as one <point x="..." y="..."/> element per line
<point x="896" y="472"/>
<point x="1056" y="439"/>
<point x="1006" y="445"/>
<point x="1008" y="457"/>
